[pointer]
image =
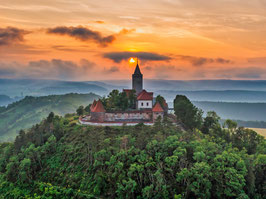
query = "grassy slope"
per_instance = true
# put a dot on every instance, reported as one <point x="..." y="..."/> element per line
<point x="260" y="131"/>
<point x="32" y="110"/>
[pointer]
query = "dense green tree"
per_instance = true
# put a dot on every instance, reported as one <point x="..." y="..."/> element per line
<point x="80" y="110"/>
<point x="132" y="98"/>
<point x="123" y="102"/>
<point x="231" y="125"/>
<point x="50" y="117"/>
<point x="211" y="121"/>
<point x="57" y="159"/>
<point x="161" y="100"/>
<point x="119" y="100"/>
<point x="187" y="113"/>
<point x="88" y="108"/>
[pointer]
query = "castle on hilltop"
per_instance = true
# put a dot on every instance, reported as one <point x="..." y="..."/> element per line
<point x="146" y="109"/>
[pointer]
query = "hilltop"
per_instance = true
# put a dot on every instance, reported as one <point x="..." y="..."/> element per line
<point x="60" y="159"/>
<point x="31" y="110"/>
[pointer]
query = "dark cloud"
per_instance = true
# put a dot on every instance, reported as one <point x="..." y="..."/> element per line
<point x="60" y="69"/>
<point x="52" y="69"/>
<point x="11" y="35"/>
<point x="145" y="56"/>
<point x="199" y="61"/>
<point x="223" y="61"/>
<point x="83" y="34"/>
<point x="113" y="69"/>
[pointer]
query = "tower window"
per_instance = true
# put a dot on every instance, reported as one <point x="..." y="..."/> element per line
<point x="147" y="103"/>
<point x="142" y="104"/>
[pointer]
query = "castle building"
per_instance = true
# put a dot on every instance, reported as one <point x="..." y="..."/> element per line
<point x="146" y="111"/>
<point x="145" y="100"/>
<point x="137" y="80"/>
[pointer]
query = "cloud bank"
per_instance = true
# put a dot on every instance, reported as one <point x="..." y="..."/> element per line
<point x="47" y="69"/>
<point x="83" y="34"/>
<point x="11" y="35"/>
<point x="145" y="56"/>
<point x="199" y="61"/>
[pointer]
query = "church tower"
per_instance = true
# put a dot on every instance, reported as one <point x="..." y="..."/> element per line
<point x="137" y="80"/>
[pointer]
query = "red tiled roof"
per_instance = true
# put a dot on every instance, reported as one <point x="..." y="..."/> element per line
<point x="98" y="107"/>
<point x="144" y="95"/>
<point x="157" y="108"/>
<point x="93" y="105"/>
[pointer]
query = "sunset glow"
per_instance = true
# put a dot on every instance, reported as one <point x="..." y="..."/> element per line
<point x="132" y="60"/>
<point x="90" y="40"/>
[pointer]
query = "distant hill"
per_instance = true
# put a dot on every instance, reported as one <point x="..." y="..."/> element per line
<point x="246" y="112"/>
<point x="217" y="96"/>
<point x="235" y="111"/>
<point x="39" y="87"/>
<point x="31" y="110"/>
<point x="249" y="124"/>
<point x="4" y="99"/>
<point x="195" y="85"/>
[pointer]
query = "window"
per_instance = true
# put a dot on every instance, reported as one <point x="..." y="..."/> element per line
<point x="141" y="103"/>
<point x="147" y="103"/>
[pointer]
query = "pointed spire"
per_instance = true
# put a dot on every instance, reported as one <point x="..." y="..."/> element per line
<point x="137" y="70"/>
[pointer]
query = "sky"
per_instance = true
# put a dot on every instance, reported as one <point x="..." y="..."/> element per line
<point x="94" y="40"/>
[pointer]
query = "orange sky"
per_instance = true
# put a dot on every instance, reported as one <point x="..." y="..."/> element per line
<point x="174" y="39"/>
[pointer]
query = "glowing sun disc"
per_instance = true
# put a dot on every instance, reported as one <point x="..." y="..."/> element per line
<point x="132" y="60"/>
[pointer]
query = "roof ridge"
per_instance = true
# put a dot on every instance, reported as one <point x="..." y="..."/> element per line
<point x="157" y="107"/>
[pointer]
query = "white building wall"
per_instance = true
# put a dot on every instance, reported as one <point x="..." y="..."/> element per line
<point x="144" y="104"/>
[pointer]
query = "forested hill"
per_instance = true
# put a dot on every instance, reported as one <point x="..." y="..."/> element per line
<point x="31" y="110"/>
<point x="60" y="159"/>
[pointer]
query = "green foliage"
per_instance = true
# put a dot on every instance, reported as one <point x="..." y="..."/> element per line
<point x="211" y="121"/>
<point x="88" y="108"/>
<point x="32" y="110"/>
<point x="57" y="159"/>
<point x="187" y="113"/>
<point x="80" y="111"/>
<point x="119" y="100"/>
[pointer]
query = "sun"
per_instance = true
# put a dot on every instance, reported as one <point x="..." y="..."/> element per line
<point x="132" y="60"/>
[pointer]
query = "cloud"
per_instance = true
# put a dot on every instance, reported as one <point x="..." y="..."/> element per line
<point x="234" y="72"/>
<point x="83" y="34"/>
<point x="164" y="71"/>
<point x="99" y="22"/>
<point x="113" y="69"/>
<point x="199" y="61"/>
<point x="11" y="35"/>
<point x="257" y="60"/>
<point x="126" y="31"/>
<point x="145" y="56"/>
<point x="48" y="69"/>
<point x="148" y="68"/>
<point x="72" y="48"/>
